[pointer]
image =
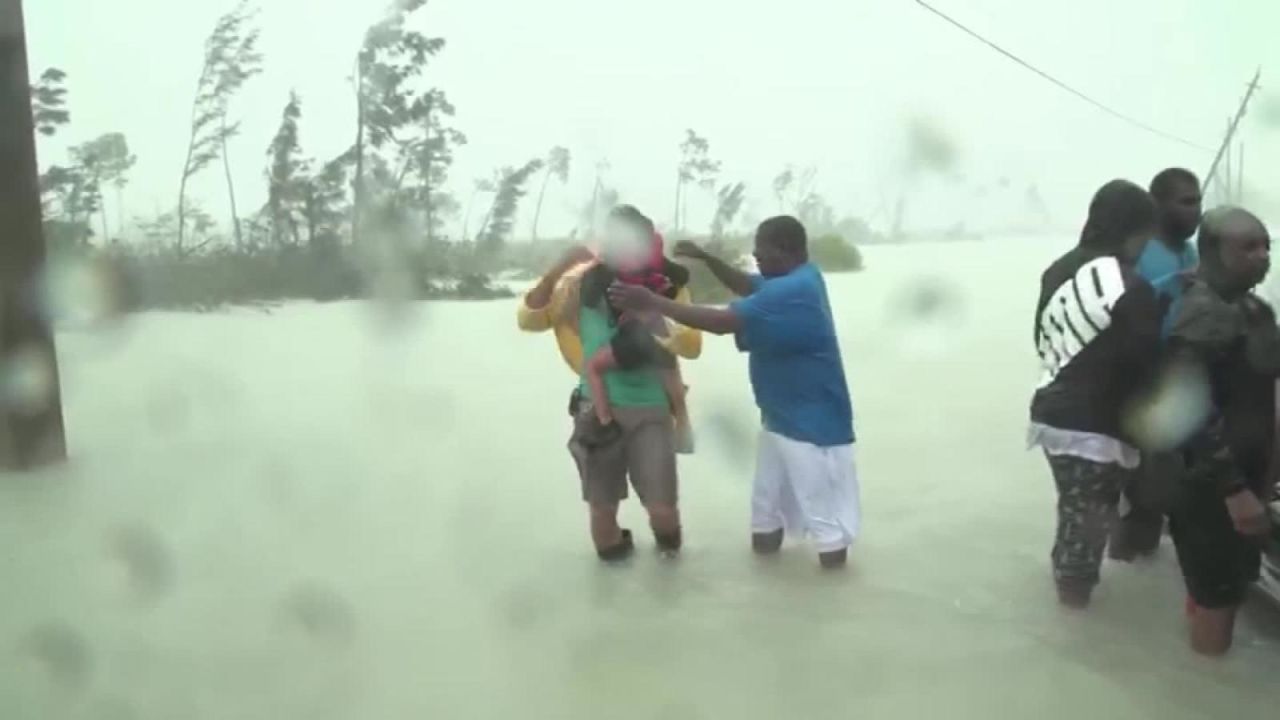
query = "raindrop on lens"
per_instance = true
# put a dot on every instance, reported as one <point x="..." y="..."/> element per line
<point x="61" y="651"/>
<point x="27" y="381"/>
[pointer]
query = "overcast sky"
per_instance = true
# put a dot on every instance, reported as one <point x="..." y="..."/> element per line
<point x="827" y="83"/>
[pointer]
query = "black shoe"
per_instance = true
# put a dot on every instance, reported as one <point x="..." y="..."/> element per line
<point x="833" y="560"/>
<point x="767" y="543"/>
<point x="623" y="550"/>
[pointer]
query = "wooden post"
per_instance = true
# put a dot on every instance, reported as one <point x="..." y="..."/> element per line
<point x="1240" y="199"/>
<point x="31" y="431"/>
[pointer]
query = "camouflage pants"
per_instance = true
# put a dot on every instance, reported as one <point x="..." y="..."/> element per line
<point x="1088" y="501"/>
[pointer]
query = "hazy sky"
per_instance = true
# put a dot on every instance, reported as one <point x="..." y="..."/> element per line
<point x="827" y="83"/>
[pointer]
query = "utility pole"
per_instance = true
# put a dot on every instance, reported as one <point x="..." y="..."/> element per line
<point x="1231" y="131"/>
<point x="31" y="428"/>
<point x="1240" y="173"/>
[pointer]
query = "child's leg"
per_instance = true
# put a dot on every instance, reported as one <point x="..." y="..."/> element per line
<point x="597" y="366"/>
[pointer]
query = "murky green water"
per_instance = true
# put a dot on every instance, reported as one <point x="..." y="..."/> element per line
<point x="320" y="513"/>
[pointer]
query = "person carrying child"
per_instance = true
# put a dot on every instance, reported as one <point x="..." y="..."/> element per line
<point x="636" y="259"/>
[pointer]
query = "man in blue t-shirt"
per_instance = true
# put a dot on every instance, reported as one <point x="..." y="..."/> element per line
<point x="1167" y="259"/>
<point x="1166" y="262"/>
<point x="806" y="479"/>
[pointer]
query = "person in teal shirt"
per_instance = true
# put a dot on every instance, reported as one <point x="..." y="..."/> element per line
<point x="1166" y="262"/>
<point x="1167" y="258"/>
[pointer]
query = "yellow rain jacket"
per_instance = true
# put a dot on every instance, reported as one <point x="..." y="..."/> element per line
<point x="558" y="315"/>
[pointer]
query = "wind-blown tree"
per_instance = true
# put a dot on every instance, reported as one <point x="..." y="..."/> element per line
<point x="506" y="202"/>
<point x="106" y="161"/>
<point x="433" y="156"/>
<point x="324" y="200"/>
<point x="481" y="186"/>
<point x="286" y="176"/>
<point x="791" y="187"/>
<point x="697" y="167"/>
<point x="816" y="213"/>
<point x="558" y="167"/>
<point x="728" y="202"/>
<point x="389" y="109"/>
<point x="70" y="195"/>
<point x="231" y="59"/>
<point x="49" y="102"/>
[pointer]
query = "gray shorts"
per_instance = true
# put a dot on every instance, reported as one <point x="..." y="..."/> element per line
<point x="644" y="453"/>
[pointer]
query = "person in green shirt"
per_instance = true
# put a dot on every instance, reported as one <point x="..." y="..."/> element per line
<point x="641" y="450"/>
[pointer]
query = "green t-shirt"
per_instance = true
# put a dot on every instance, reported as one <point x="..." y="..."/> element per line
<point x="626" y="388"/>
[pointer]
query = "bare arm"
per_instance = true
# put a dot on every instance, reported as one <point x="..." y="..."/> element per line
<point x="731" y="277"/>
<point x="540" y="296"/>
<point x="719" y="321"/>
<point x="540" y="306"/>
<point x="738" y="282"/>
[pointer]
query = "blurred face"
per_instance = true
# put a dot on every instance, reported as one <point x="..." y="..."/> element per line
<point x="1246" y="255"/>
<point x="1180" y="212"/>
<point x="625" y="245"/>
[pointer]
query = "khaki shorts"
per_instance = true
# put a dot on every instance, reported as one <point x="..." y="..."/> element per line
<point x="645" y="452"/>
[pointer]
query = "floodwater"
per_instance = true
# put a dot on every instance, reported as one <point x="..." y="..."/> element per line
<point x="330" y="512"/>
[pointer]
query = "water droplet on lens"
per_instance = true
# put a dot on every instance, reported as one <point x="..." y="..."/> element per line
<point x="147" y="565"/>
<point x="320" y="612"/>
<point x="28" y="380"/>
<point x="62" y="652"/>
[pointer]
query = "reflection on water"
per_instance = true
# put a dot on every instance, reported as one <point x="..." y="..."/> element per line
<point x="280" y="516"/>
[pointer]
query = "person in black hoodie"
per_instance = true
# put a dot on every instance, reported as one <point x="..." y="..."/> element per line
<point x="1098" y="336"/>
<point x="1219" y="522"/>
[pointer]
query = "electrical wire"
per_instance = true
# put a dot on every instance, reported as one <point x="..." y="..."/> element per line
<point x="1110" y="111"/>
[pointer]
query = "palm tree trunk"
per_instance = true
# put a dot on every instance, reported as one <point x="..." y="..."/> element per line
<point x="231" y="188"/>
<point x="119" y="210"/>
<point x="537" y="210"/>
<point x="675" y="220"/>
<point x="105" y="231"/>
<point x="357" y="206"/>
<point x="466" y="218"/>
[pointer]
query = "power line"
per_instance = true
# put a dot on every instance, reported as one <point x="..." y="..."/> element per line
<point x="1110" y="111"/>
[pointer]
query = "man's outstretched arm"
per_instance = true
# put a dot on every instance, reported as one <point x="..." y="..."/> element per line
<point x="738" y="282"/>
<point x="720" y="321"/>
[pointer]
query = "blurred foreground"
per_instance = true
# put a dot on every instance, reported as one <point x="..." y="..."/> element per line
<point x="364" y="511"/>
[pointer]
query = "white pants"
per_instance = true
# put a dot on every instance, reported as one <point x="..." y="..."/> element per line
<point x="806" y="489"/>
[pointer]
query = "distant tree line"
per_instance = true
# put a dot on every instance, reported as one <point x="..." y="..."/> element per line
<point x="322" y="218"/>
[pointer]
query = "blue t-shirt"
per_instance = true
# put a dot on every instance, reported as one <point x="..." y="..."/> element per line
<point x="1163" y="268"/>
<point x="796" y="371"/>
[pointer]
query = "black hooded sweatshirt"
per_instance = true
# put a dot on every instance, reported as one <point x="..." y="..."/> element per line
<point x="1097" y="322"/>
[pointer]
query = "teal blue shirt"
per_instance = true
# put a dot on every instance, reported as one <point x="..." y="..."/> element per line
<point x="1163" y="268"/>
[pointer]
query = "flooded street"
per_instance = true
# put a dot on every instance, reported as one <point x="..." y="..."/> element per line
<point x="331" y="511"/>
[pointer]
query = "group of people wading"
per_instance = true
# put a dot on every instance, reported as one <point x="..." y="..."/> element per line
<point x="1134" y="303"/>
<point x="623" y="319"/>
<point x="1133" y="315"/>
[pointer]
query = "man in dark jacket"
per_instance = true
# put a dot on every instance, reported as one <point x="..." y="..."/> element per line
<point x="1219" y="521"/>
<point x="1098" y="336"/>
